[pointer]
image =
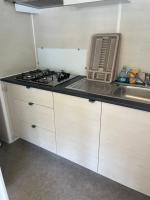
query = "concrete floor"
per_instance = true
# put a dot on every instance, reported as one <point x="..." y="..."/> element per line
<point x="32" y="173"/>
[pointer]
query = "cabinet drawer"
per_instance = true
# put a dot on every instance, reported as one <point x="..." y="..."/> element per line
<point x="37" y="96"/>
<point x="35" y="114"/>
<point x="38" y="136"/>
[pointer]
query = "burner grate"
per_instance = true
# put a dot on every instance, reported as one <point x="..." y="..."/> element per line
<point x="45" y="77"/>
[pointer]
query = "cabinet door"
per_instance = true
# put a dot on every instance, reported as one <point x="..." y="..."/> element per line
<point x="8" y="134"/>
<point x="31" y="115"/>
<point x="3" y="192"/>
<point x="77" y="129"/>
<point x="125" y="146"/>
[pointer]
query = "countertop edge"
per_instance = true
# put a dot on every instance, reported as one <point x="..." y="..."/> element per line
<point x="63" y="90"/>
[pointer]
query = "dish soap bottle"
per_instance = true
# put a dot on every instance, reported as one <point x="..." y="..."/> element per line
<point x="123" y="75"/>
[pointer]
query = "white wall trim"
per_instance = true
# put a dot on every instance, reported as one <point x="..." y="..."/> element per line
<point x="119" y="17"/>
<point x="34" y="41"/>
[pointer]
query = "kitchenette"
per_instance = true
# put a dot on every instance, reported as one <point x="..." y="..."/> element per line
<point x="82" y="100"/>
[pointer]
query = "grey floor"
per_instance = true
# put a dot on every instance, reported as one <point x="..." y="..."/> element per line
<point x="32" y="173"/>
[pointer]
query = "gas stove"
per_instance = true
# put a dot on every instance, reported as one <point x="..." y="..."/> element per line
<point x="45" y="77"/>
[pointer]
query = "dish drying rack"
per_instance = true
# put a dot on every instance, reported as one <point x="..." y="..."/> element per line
<point x="102" y="57"/>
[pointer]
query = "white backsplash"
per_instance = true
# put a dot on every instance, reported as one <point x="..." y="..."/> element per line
<point x="70" y="60"/>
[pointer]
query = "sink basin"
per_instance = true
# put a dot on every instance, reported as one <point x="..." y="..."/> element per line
<point x="133" y="93"/>
<point x="92" y="87"/>
<point x="128" y="92"/>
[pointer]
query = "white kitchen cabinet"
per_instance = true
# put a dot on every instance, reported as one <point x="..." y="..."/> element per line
<point x="7" y="134"/>
<point x="3" y="192"/>
<point x="31" y="115"/>
<point x="36" y="135"/>
<point x="33" y="95"/>
<point x="77" y="129"/>
<point x="125" y="146"/>
<point x="70" y="2"/>
<point x="42" y="116"/>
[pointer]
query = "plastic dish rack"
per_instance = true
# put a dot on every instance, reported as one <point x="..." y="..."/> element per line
<point x="102" y="57"/>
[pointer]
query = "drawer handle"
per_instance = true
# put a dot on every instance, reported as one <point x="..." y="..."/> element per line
<point x="33" y="126"/>
<point x="31" y="104"/>
<point x="92" y="100"/>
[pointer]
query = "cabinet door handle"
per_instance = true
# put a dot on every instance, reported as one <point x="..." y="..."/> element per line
<point x="33" y="126"/>
<point x="30" y="104"/>
<point x="92" y="100"/>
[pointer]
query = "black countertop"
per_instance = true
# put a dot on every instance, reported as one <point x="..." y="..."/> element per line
<point x="62" y="89"/>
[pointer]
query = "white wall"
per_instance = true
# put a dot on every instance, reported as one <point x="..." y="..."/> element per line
<point x="16" y="47"/>
<point x="135" y="29"/>
<point x="72" y="27"/>
<point x="16" y="41"/>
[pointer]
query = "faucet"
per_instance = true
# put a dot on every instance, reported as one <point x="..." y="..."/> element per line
<point x="147" y="79"/>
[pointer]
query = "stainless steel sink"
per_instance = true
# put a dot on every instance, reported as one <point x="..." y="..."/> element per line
<point x="92" y="87"/>
<point x="134" y="93"/>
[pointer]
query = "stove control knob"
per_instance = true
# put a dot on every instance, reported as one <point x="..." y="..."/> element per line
<point x="67" y="75"/>
<point x="60" y="78"/>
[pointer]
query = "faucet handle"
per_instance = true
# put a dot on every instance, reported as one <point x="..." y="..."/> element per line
<point x="147" y="75"/>
<point x="147" y="79"/>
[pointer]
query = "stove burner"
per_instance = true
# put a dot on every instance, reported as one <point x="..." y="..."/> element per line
<point x="46" y="77"/>
<point x="45" y="80"/>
